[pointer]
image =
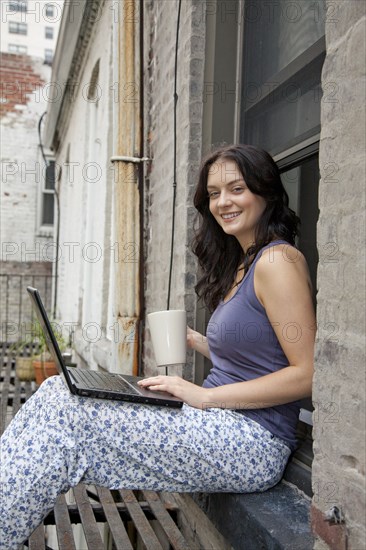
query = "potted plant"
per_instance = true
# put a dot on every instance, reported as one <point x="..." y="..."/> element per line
<point x="43" y="364"/>
<point x="23" y="352"/>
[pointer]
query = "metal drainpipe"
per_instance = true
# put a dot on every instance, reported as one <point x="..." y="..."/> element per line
<point x="128" y="144"/>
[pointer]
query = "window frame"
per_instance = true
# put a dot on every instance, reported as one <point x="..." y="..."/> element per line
<point x="45" y="229"/>
<point x="18" y="5"/>
<point x="17" y="49"/>
<point x="269" y="87"/>
<point x="49" y="10"/>
<point x="47" y="59"/>
<point x="298" y="470"/>
<point x="49" y="33"/>
<point x="291" y="155"/>
<point x="18" y="25"/>
<point x="289" y="158"/>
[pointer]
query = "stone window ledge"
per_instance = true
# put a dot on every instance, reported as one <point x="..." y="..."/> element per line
<point x="278" y="519"/>
<point x="45" y="232"/>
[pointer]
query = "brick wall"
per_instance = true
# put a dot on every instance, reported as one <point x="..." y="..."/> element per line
<point x="23" y="100"/>
<point x="160" y="33"/>
<point x="19" y="81"/>
<point x="25" y="251"/>
<point x="339" y="385"/>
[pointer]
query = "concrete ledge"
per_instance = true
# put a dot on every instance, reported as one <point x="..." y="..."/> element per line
<point x="278" y="519"/>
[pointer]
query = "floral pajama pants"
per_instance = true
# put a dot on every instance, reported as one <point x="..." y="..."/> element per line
<point x="58" y="440"/>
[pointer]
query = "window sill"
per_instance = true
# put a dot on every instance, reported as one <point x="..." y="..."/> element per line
<point x="45" y="231"/>
<point x="278" y="518"/>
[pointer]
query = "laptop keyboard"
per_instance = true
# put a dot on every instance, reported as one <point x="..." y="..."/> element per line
<point x="100" y="381"/>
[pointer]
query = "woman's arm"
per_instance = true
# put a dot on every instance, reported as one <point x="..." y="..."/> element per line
<point x="198" y="342"/>
<point x="282" y="286"/>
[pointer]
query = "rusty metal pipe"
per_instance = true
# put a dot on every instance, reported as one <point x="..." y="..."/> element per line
<point x="126" y="189"/>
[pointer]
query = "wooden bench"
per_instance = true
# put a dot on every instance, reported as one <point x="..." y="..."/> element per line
<point x="111" y="520"/>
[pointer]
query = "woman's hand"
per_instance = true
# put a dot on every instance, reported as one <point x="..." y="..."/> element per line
<point x="191" y="334"/>
<point x="189" y="393"/>
<point x="198" y="342"/>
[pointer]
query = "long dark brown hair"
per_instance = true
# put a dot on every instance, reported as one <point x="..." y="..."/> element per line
<point x="219" y="254"/>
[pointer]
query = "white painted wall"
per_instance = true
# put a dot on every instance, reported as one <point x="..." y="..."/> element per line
<point x="22" y="173"/>
<point x="85" y="205"/>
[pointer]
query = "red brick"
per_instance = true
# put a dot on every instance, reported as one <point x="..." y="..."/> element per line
<point x="19" y="81"/>
<point x="334" y="535"/>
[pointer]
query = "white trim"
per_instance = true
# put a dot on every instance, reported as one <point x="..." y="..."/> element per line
<point x="45" y="231"/>
<point x="42" y="229"/>
<point x="296" y="148"/>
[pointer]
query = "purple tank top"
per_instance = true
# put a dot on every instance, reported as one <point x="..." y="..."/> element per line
<point x="244" y="346"/>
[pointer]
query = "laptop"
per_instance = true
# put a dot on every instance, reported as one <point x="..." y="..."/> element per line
<point x="85" y="382"/>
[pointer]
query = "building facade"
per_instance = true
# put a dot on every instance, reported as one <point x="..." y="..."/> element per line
<point x="28" y="31"/>
<point x="286" y="76"/>
<point x="30" y="27"/>
<point x="26" y="208"/>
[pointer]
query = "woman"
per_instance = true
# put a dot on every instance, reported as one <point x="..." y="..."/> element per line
<point x="236" y="432"/>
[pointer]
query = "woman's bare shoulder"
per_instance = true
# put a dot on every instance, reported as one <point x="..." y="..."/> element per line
<point x="281" y="266"/>
<point x="281" y="256"/>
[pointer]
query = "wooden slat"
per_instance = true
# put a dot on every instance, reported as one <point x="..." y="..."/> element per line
<point x="102" y="508"/>
<point x="119" y="533"/>
<point x="138" y="517"/>
<point x="16" y="395"/>
<point x="37" y="540"/>
<point x="171" y="530"/>
<point x="6" y="369"/>
<point x="65" y="535"/>
<point x="91" y="531"/>
<point x="196" y="527"/>
<point x="99" y="512"/>
<point x="29" y="389"/>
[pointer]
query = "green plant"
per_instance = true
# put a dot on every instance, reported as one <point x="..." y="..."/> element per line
<point x="32" y="358"/>
<point x="40" y="339"/>
<point x="35" y="343"/>
<point x="23" y="351"/>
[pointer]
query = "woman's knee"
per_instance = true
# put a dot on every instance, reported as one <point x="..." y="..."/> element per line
<point x="53" y="385"/>
<point x="53" y="390"/>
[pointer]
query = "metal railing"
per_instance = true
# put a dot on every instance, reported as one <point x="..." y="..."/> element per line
<point x="16" y="312"/>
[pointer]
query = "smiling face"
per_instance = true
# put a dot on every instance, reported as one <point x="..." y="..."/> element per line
<point x="235" y="208"/>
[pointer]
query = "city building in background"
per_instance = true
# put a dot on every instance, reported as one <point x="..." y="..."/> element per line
<point x="30" y="27"/>
<point x="28" y="37"/>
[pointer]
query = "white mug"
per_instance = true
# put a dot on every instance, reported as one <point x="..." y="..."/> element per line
<point x="168" y="331"/>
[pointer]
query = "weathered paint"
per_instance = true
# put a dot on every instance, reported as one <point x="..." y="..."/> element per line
<point x="127" y="200"/>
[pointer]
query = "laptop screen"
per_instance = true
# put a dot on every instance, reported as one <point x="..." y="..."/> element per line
<point x="49" y="334"/>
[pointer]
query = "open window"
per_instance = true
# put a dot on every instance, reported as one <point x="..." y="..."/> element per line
<point x="263" y="75"/>
<point x="47" y="198"/>
<point x="282" y="57"/>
